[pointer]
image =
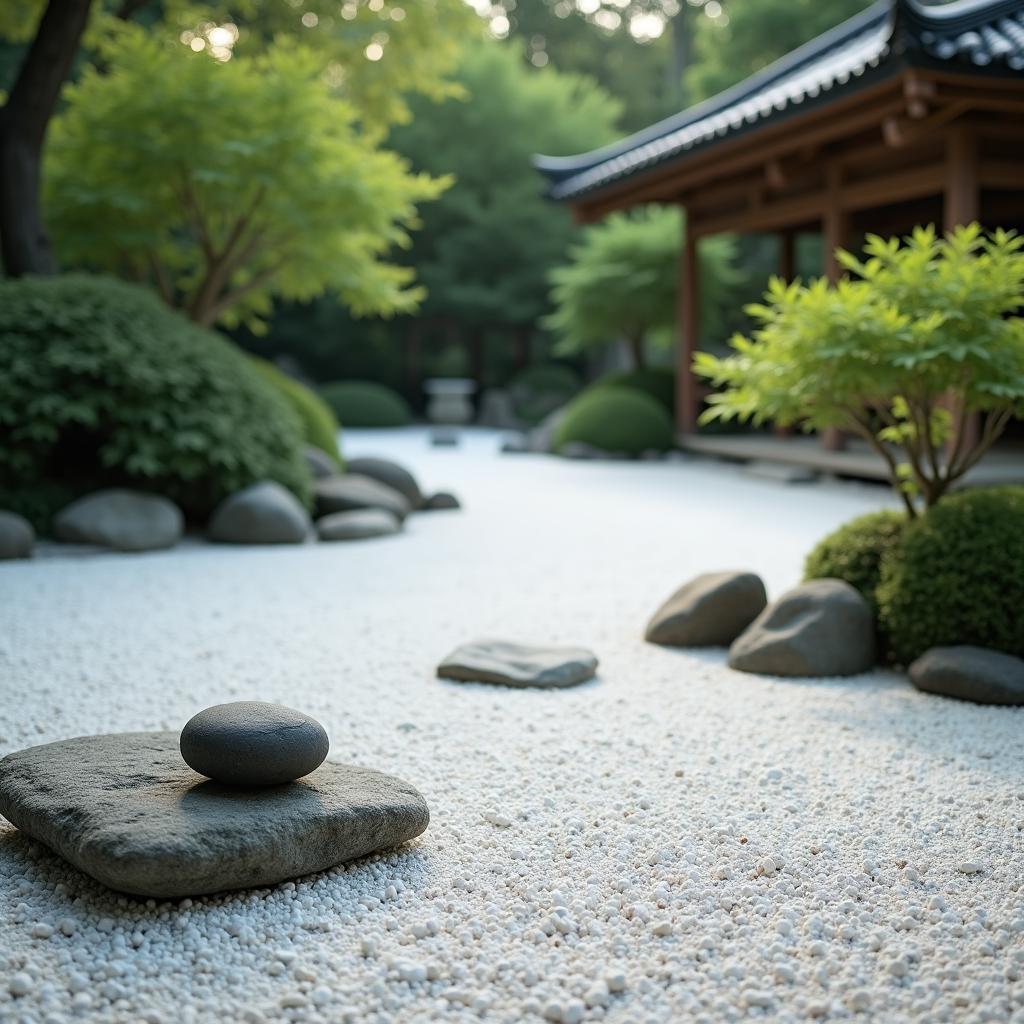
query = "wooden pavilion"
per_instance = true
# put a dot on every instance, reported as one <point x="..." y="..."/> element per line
<point x="906" y="114"/>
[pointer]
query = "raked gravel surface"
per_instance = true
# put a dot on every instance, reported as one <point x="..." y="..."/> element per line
<point x="673" y="841"/>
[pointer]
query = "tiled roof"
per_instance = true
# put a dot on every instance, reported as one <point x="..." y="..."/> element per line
<point x="978" y="35"/>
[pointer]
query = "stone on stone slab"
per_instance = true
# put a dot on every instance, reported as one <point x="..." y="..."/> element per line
<point x="351" y="491"/>
<point x="441" y="501"/>
<point x="127" y="810"/>
<point x="320" y="463"/>
<point x="392" y="475"/>
<point x="360" y="524"/>
<point x="514" y="664"/>
<point x="120" y="519"/>
<point x="820" y="628"/>
<point x="252" y="743"/>
<point x="16" y="535"/>
<point x="970" y="673"/>
<point x="263" y="513"/>
<point x="710" y="610"/>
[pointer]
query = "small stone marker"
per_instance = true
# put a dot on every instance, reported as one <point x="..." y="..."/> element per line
<point x="128" y="811"/>
<point x="970" y="673"/>
<point x="512" y="664"/>
<point x="709" y="611"/>
<point x="250" y="743"/>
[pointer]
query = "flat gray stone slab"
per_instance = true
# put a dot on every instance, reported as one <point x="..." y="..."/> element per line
<point x="360" y="524"/>
<point x="970" y="673"/>
<point x="512" y="664"/>
<point x="127" y="810"/>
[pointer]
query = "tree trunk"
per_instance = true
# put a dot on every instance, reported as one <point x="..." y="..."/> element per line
<point x="636" y="347"/>
<point x="24" y="244"/>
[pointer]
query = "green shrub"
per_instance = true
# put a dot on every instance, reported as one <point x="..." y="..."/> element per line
<point x="955" y="577"/>
<point x="102" y="385"/>
<point x="540" y="389"/>
<point x="362" y="403"/>
<point x="659" y="383"/>
<point x="616" y="420"/>
<point x="319" y="426"/>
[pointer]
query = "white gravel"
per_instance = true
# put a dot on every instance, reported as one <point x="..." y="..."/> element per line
<point x="672" y="842"/>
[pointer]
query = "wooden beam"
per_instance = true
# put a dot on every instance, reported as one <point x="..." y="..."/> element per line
<point x="1004" y="174"/>
<point x="689" y="319"/>
<point x="961" y="191"/>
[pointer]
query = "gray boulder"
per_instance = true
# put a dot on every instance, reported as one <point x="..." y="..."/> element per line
<point x="16" y="536"/>
<point x="970" y="673"/>
<point x="319" y="462"/>
<point x="392" y="475"/>
<point x="441" y="501"/>
<point x="121" y="519"/>
<point x="264" y="513"/>
<point x="250" y="743"/>
<point x="362" y="524"/>
<point x="353" y="491"/>
<point x="709" y="611"/>
<point x="511" y="664"/>
<point x="128" y="811"/>
<point x="542" y="437"/>
<point x="821" y="628"/>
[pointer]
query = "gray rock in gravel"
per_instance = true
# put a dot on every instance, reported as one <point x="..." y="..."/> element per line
<point x="392" y="475"/>
<point x="512" y="664"/>
<point x="264" y="513"/>
<point x="120" y="519"/>
<point x="709" y="611"/>
<point x="821" y="628"/>
<point x="352" y="491"/>
<point x="16" y="536"/>
<point x="970" y="673"/>
<point x="250" y="743"/>
<point x="542" y="437"/>
<point x="440" y="502"/>
<point x="128" y="811"/>
<point x="361" y="524"/>
<point x="319" y="462"/>
<point x="515" y="444"/>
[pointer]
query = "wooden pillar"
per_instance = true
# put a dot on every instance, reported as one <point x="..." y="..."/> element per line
<point x="787" y="271"/>
<point x="835" y="229"/>
<point x="961" y="205"/>
<point x="689" y="319"/>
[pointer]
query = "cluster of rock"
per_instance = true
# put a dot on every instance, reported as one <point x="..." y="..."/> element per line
<point x="821" y="628"/>
<point x="371" y="499"/>
<point x="242" y="798"/>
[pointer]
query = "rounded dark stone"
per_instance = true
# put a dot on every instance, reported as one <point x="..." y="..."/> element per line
<point x="249" y="743"/>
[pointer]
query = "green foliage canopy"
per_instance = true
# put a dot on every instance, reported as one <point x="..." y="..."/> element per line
<point x="622" y="281"/>
<point x="882" y="355"/>
<point x="230" y="184"/>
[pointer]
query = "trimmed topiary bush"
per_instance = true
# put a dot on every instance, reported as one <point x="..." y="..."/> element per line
<point x="540" y="389"/>
<point x="363" y="403"/>
<point x="616" y="420"/>
<point x="955" y="577"/>
<point x="854" y="552"/>
<point x="659" y="383"/>
<point x="319" y="425"/>
<point x="102" y="385"/>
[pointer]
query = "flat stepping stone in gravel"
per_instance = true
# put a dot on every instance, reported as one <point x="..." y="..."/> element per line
<point x="264" y="513"/>
<point x="16" y="536"/>
<point x="821" y="628"/>
<point x="709" y="611"/>
<point x="128" y="811"/>
<point x="250" y="743"/>
<point x="392" y="475"/>
<point x="121" y="519"/>
<point x="352" y="491"/>
<point x="361" y="524"/>
<point x="970" y="673"/>
<point x="511" y="664"/>
<point x="440" y="502"/>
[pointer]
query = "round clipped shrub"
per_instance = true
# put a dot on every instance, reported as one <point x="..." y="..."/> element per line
<point x="538" y="390"/>
<point x="854" y="552"/>
<point x="955" y="577"/>
<point x="319" y="425"/>
<point x="102" y="385"/>
<point x="363" y="403"/>
<point x="659" y="383"/>
<point x="616" y="420"/>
